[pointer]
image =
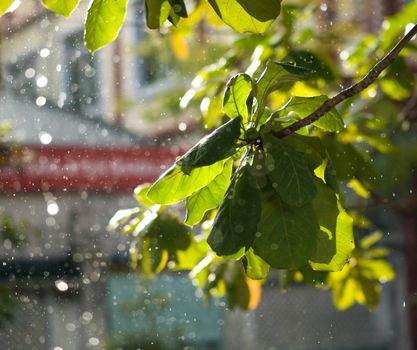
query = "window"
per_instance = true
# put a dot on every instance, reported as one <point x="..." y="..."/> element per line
<point x="163" y="311"/>
<point x="21" y="76"/>
<point x="82" y="87"/>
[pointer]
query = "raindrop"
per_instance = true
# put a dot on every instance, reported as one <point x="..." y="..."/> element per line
<point x="52" y="208"/>
<point x="44" y="52"/>
<point x="30" y="73"/>
<point x="41" y="101"/>
<point x="182" y="126"/>
<point x="61" y="285"/>
<point x="42" y="81"/>
<point x="45" y="138"/>
<point x="94" y="341"/>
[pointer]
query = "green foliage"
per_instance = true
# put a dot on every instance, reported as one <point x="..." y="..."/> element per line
<point x="286" y="235"/>
<point x="208" y="197"/>
<point x="235" y="102"/>
<point x="175" y="185"/>
<point x="62" y="7"/>
<point x="105" y="17"/>
<point x="220" y="144"/>
<point x="335" y="242"/>
<point x="267" y="202"/>
<point x="288" y="172"/>
<point x="247" y="15"/>
<point x="235" y="225"/>
<point x="103" y="22"/>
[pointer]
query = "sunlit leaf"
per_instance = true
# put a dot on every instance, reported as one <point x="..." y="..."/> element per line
<point x="398" y="82"/>
<point x="394" y="26"/>
<point x="62" y="7"/>
<point x="377" y="270"/>
<point x="4" y="5"/>
<point x="304" y="106"/>
<point x="174" y="185"/>
<point x="103" y="23"/>
<point x="288" y="172"/>
<point x="157" y="12"/>
<point x="370" y="240"/>
<point x="121" y="217"/>
<point x="237" y="92"/>
<point x="344" y="293"/>
<point x="189" y="258"/>
<point x="208" y="197"/>
<point x="256" y="268"/>
<point x="247" y="15"/>
<point x="335" y="243"/>
<point x="140" y="193"/>
<point x="218" y="145"/>
<point x="361" y="191"/>
<point x="235" y="224"/>
<point x="274" y="76"/>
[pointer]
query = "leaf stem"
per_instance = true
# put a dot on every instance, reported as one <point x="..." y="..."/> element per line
<point x="370" y="77"/>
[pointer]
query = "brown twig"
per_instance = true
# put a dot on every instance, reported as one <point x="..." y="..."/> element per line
<point x="352" y="90"/>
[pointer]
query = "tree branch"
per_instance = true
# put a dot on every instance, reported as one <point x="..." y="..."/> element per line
<point x="352" y="90"/>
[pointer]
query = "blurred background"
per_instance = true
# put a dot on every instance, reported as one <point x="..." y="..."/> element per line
<point x="78" y="133"/>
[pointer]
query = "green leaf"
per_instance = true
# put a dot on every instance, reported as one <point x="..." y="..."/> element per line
<point x="140" y="194"/>
<point x="208" y="197"/>
<point x="335" y="243"/>
<point x="377" y="270"/>
<point x="235" y="224"/>
<point x="274" y="76"/>
<point x="344" y="292"/>
<point x="4" y="5"/>
<point x="394" y="26"/>
<point x="348" y="163"/>
<point x="162" y="238"/>
<point x="304" y="106"/>
<point x="62" y="7"/>
<point x="288" y="172"/>
<point x="256" y="268"/>
<point x="307" y="59"/>
<point x="190" y="258"/>
<point x="286" y="236"/>
<point x="179" y="8"/>
<point x="311" y="146"/>
<point x="218" y="145"/>
<point x="174" y="185"/>
<point x="237" y="290"/>
<point x="237" y="92"/>
<point x="330" y="176"/>
<point x="370" y="240"/>
<point x="151" y="257"/>
<point x="398" y="82"/>
<point x="247" y="15"/>
<point x="157" y="12"/>
<point x="371" y="292"/>
<point x="103" y="23"/>
<point x="121" y="217"/>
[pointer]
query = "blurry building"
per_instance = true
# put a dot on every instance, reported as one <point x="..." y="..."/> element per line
<point x="68" y="108"/>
